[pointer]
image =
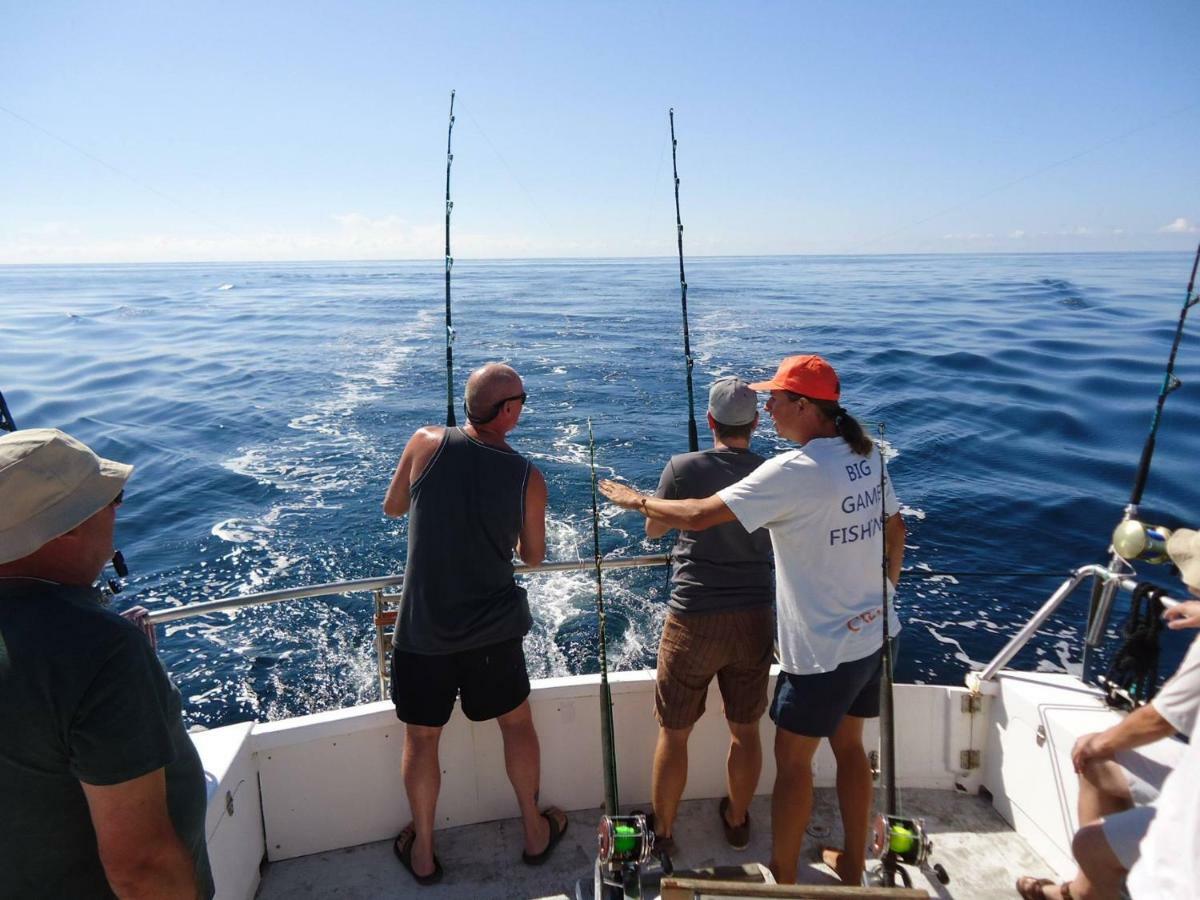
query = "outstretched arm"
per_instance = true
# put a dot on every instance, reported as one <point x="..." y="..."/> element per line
<point x="687" y="515"/>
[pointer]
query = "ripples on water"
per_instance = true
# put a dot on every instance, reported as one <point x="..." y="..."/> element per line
<point x="265" y="407"/>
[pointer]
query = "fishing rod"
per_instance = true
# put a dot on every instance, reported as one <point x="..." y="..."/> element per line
<point x="1133" y="539"/>
<point x="449" y="265"/>
<point x="693" y="438"/>
<point x="897" y="839"/>
<point x="6" y="419"/>
<point x="625" y="842"/>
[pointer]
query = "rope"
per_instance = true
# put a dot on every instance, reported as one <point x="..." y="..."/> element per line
<point x="1132" y="676"/>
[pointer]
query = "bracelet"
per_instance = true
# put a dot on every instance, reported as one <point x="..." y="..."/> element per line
<point x="642" y="506"/>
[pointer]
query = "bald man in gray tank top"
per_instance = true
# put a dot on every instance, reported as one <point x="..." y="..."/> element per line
<point x="471" y="501"/>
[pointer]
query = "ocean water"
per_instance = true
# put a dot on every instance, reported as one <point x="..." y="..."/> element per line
<point x="265" y="407"/>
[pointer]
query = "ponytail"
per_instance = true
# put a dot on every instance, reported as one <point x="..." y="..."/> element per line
<point x="849" y="429"/>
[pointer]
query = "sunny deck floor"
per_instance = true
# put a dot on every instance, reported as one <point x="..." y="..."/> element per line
<point x="979" y="850"/>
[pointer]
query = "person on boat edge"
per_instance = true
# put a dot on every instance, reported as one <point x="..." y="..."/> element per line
<point x="1133" y="820"/>
<point x="471" y="500"/>
<point x="830" y="520"/>
<point x="721" y="621"/>
<point x="103" y="791"/>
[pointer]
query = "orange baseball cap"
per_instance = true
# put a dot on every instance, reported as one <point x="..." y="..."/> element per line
<point x="808" y="375"/>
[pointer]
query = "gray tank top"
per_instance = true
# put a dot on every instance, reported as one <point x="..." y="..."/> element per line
<point x="463" y="524"/>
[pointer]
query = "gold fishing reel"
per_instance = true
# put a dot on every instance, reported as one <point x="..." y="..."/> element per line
<point x="1136" y="540"/>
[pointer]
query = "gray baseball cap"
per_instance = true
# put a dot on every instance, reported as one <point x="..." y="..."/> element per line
<point x="50" y="483"/>
<point x="731" y="401"/>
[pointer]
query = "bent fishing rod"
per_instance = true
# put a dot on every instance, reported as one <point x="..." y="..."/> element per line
<point x="1133" y="539"/>
<point x="693" y="438"/>
<point x="449" y="265"/>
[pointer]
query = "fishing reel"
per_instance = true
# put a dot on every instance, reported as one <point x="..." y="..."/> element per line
<point x="625" y="840"/>
<point x="1136" y="540"/>
<point x="625" y="844"/>
<point x="896" y="840"/>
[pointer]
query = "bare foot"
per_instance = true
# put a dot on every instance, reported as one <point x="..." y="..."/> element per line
<point x="835" y="858"/>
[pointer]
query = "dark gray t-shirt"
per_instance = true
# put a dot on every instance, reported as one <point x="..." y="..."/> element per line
<point x="83" y="697"/>
<point x="724" y="567"/>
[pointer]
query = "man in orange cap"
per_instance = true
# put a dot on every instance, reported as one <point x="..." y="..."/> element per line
<point x="830" y="513"/>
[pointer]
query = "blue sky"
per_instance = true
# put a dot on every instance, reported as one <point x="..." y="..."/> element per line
<point x="300" y="130"/>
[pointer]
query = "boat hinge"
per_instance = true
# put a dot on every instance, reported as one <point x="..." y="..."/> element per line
<point x="969" y="759"/>
<point x="972" y="703"/>
<point x="873" y="758"/>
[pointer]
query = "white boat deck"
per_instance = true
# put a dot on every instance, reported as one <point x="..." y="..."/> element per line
<point x="979" y="850"/>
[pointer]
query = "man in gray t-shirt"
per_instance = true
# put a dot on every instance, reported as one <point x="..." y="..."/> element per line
<point x="721" y="620"/>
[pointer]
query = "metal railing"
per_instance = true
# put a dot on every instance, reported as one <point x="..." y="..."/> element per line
<point x="334" y="588"/>
<point x="1110" y="581"/>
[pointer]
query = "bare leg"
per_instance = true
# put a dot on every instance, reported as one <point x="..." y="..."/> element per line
<point x="668" y="777"/>
<point x="854" y="789"/>
<point x="422" y="781"/>
<point x="742" y="768"/>
<point x="791" y="801"/>
<point x="1103" y="790"/>
<point x="1100" y="872"/>
<point x="523" y="762"/>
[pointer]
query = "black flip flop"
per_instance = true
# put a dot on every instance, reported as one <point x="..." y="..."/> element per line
<point x="556" y="833"/>
<point x="404" y="854"/>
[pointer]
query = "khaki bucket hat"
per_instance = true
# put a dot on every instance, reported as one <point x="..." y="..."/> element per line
<point x="1184" y="549"/>
<point x="49" y="483"/>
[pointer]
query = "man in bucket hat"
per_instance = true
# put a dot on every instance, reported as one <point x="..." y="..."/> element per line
<point x="103" y="791"/>
<point x="721" y="621"/>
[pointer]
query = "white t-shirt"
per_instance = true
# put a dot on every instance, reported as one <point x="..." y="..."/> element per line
<point x="821" y="506"/>
<point x="1169" y="862"/>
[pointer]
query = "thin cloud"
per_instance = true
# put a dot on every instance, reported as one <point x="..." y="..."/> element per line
<point x="1179" y="226"/>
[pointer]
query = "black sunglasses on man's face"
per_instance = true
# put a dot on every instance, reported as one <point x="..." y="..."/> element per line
<point x="496" y="408"/>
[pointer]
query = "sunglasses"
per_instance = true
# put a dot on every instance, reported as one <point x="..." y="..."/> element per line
<point x="499" y="405"/>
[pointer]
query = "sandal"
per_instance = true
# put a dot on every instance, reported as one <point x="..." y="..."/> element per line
<point x="1035" y="888"/>
<point x="738" y="836"/>
<point x="551" y="814"/>
<point x="403" y="847"/>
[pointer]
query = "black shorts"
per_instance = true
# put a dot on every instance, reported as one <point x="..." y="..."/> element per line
<point x="814" y="705"/>
<point x="492" y="681"/>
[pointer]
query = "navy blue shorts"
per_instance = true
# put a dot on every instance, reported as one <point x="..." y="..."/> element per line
<point x="814" y="705"/>
<point x="492" y="680"/>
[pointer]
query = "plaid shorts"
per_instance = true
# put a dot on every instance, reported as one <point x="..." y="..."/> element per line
<point x="735" y="645"/>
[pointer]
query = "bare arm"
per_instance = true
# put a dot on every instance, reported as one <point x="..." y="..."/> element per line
<point x="656" y="529"/>
<point x="894" y="533"/>
<point x="687" y="515"/>
<point x="1144" y="725"/>
<point x="139" y="849"/>
<point x="531" y="545"/>
<point x="417" y="452"/>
